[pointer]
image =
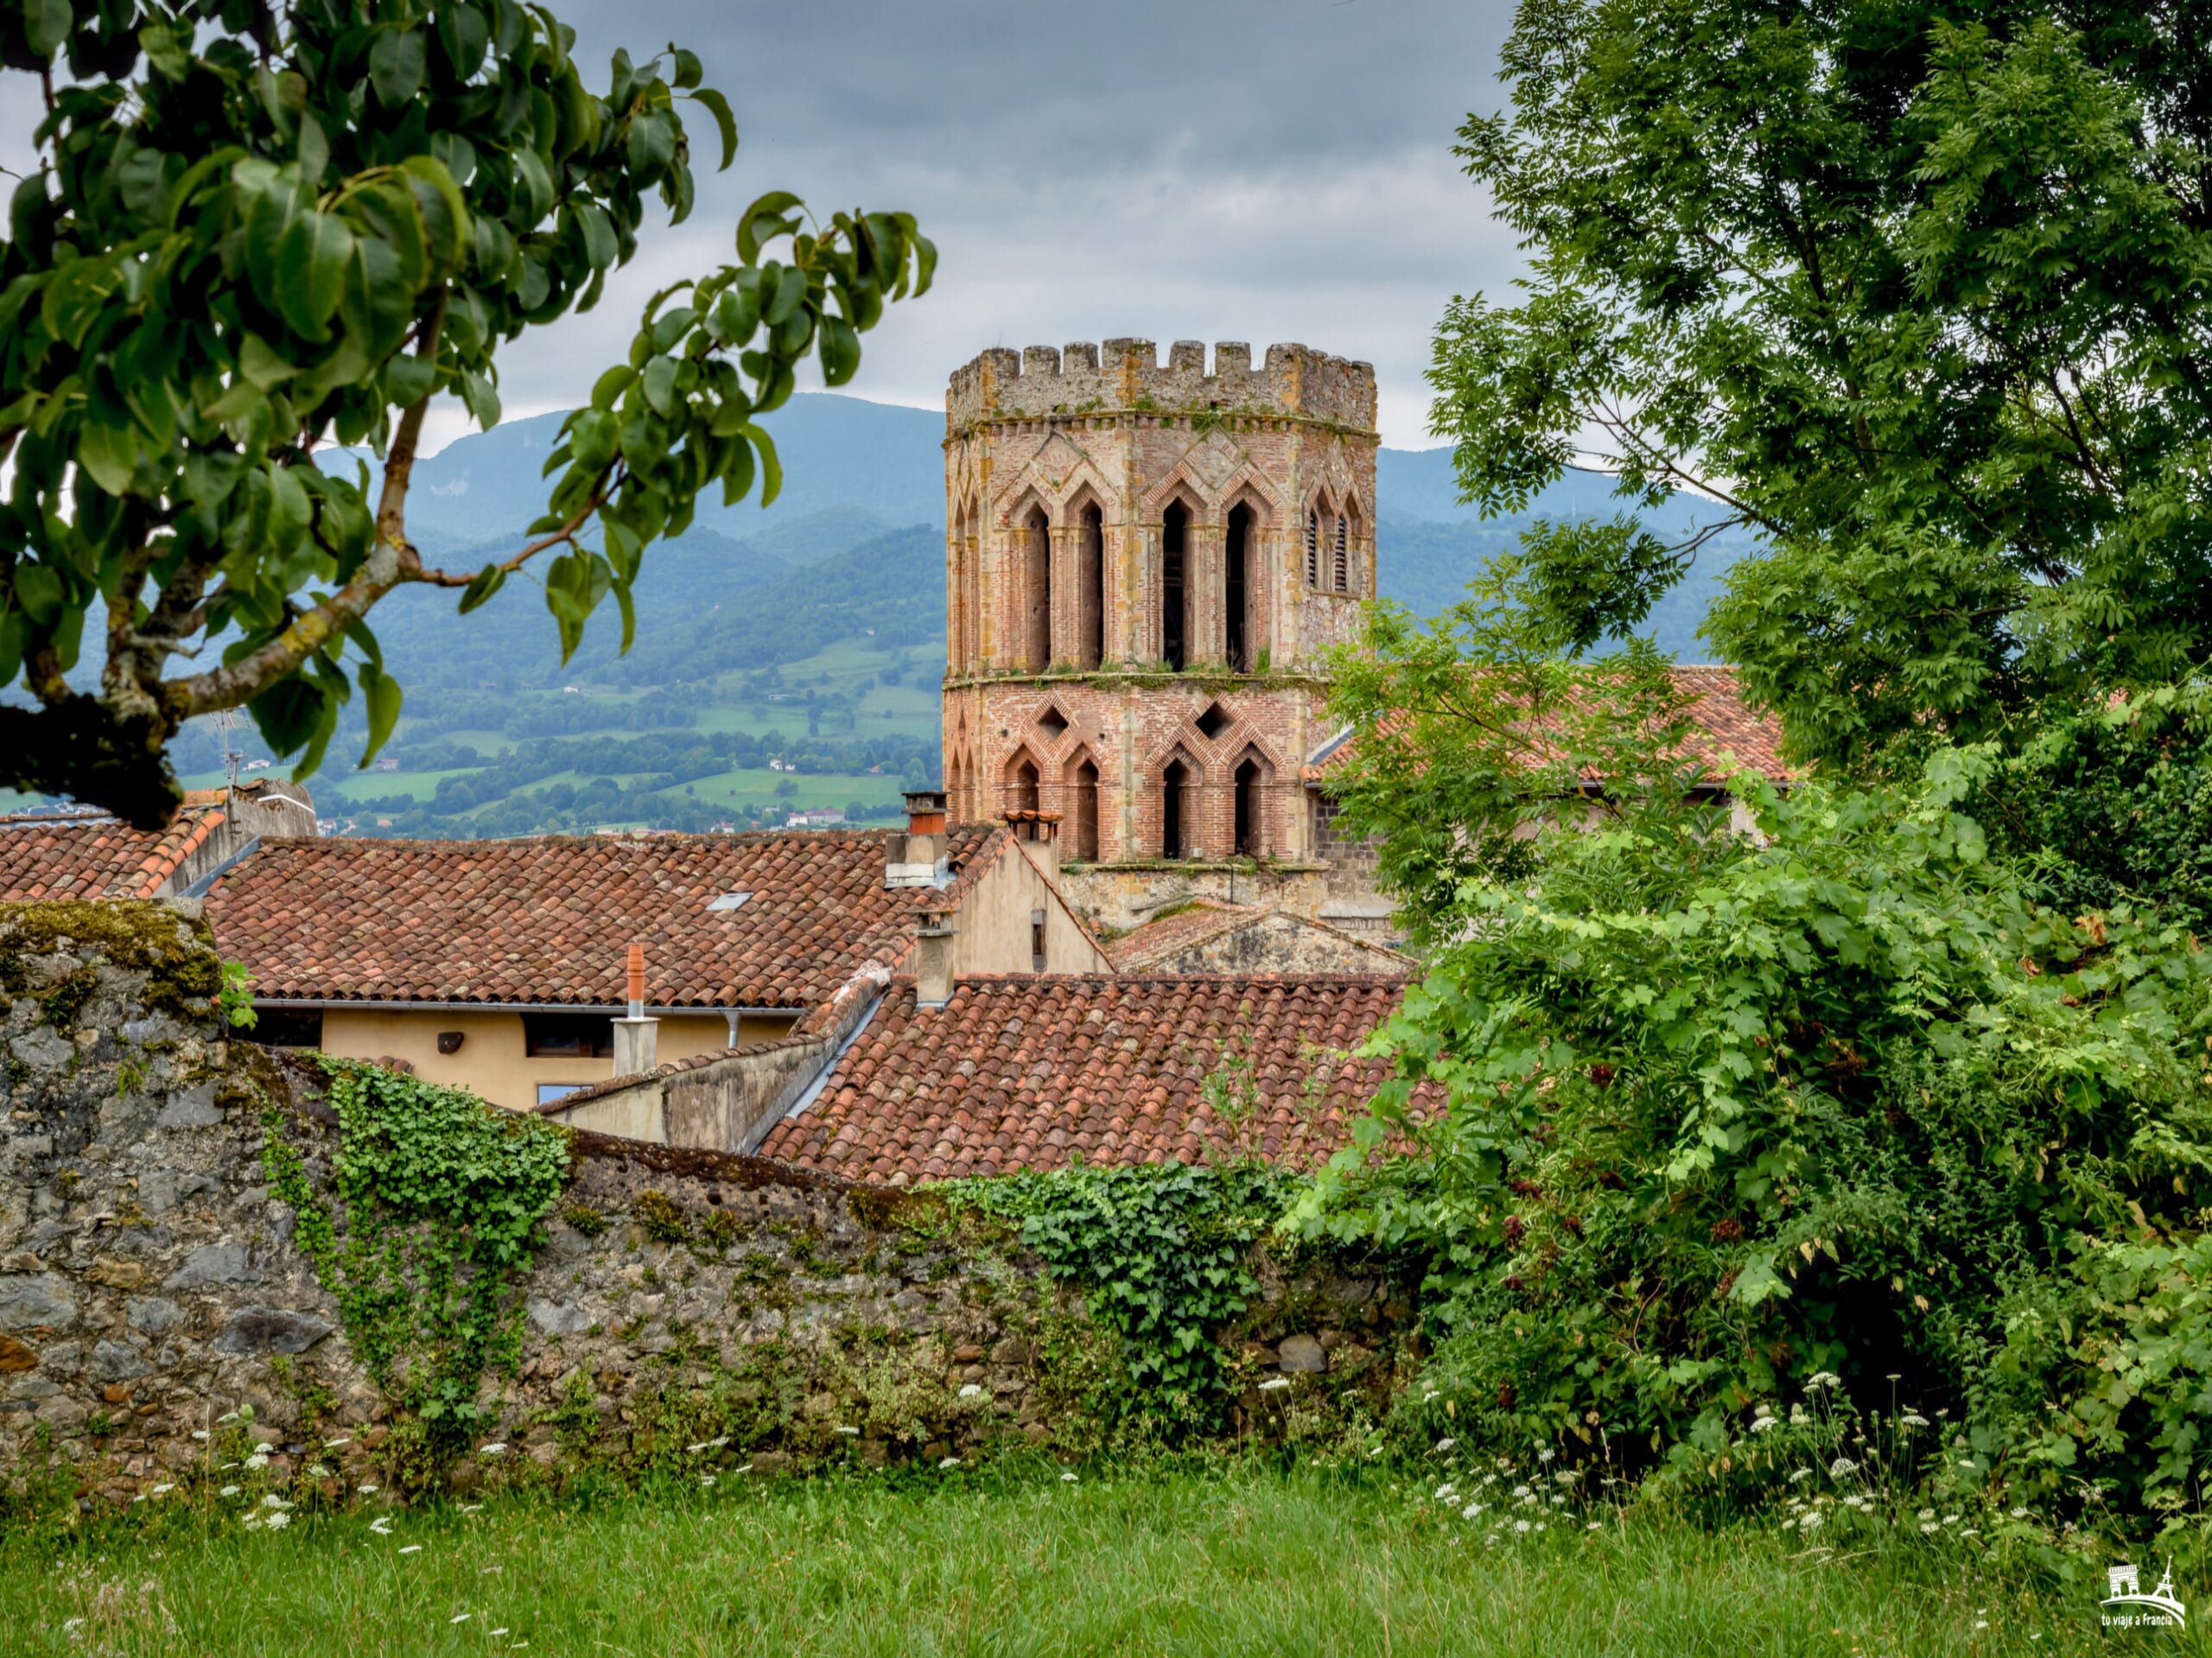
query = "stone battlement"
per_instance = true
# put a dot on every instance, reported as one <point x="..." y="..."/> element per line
<point x="1126" y="376"/>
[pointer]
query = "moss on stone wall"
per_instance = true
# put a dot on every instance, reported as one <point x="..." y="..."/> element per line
<point x="46" y="949"/>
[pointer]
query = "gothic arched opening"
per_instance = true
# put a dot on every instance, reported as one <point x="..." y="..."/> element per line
<point x="1174" y="584"/>
<point x="1027" y="795"/>
<point x="1083" y="786"/>
<point x="1037" y="591"/>
<point x="1175" y="810"/>
<point x="1091" y="588"/>
<point x="1238" y="548"/>
<point x="1251" y="806"/>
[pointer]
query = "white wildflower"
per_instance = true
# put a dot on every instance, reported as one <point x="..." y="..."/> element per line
<point x="948" y="1462"/>
<point x="972" y="1390"/>
<point x="228" y="1416"/>
<point x="460" y="1617"/>
<point x="1950" y="1519"/>
<point x="1803" y="1474"/>
<point x="1927" y="1525"/>
<point x="1797" y="1417"/>
<point x="199" y="1433"/>
<point x="277" y="1521"/>
<point x="1966" y="1462"/>
<point x="1446" y="1444"/>
<point x="1811" y="1521"/>
<point x="1841" y="1466"/>
<point x="2019" y="1513"/>
<point x="1820" y="1379"/>
<point x="1521" y="1490"/>
<point x="1546" y="1454"/>
<point x="1520" y="1525"/>
<point x="497" y="1448"/>
<point x="315" y="1471"/>
<point x="1765" y="1422"/>
<point x="1913" y="1419"/>
<point x="746" y="1469"/>
<point x="1274" y="1384"/>
<point x="381" y="1525"/>
<point x="333" y="1444"/>
<point x="706" y="1480"/>
<point x="1067" y="1476"/>
<point x="1445" y="1491"/>
<point x="412" y="1548"/>
<point x="1432" y="1394"/>
<point x="700" y="1449"/>
<point x="273" y="1500"/>
<point x="849" y="1433"/>
<point x="1470" y="1511"/>
<point x="1559" y="1502"/>
<point x="366" y="1491"/>
<point x="228" y="1490"/>
<point x="163" y="1490"/>
<point x="472" y="1507"/>
<point x="1595" y="1525"/>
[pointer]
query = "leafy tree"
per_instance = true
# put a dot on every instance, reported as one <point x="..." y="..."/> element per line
<point x="254" y="231"/>
<point x="1921" y="297"/>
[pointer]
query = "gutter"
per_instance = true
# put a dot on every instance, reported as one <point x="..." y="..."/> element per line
<point x="697" y="1010"/>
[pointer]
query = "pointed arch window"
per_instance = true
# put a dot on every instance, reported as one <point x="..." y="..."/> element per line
<point x="1313" y="548"/>
<point x="1340" y="567"/>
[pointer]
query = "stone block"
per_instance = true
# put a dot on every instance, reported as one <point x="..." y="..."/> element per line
<point x="191" y="1108"/>
<point x="211" y="1264"/>
<point x="16" y="1356"/>
<point x="154" y="1314"/>
<point x="557" y="1318"/>
<point x="30" y="1300"/>
<point x="1301" y="1353"/>
<point x="271" y="1330"/>
<point x="114" y="1361"/>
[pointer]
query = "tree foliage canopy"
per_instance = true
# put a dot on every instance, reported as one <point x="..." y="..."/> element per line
<point x="255" y="231"/>
<point x="1922" y="301"/>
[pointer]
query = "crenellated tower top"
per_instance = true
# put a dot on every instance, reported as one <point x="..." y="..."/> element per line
<point x="1126" y="376"/>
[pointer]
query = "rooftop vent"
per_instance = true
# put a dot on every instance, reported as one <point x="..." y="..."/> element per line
<point x="730" y="901"/>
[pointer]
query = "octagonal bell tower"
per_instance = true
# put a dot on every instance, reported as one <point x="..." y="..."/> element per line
<point x="1143" y="565"/>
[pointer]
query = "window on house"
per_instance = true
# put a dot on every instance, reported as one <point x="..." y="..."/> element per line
<point x="287" y="1027"/>
<point x="548" y="1092"/>
<point x="1028" y="795"/>
<point x="1342" y="570"/>
<point x="1251" y="783"/>
<point x="567" y="1036"/>
<point x="1086" y="812"/>
<point x="1036" y="940"/>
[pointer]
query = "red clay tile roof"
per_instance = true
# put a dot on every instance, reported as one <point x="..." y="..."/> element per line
<point x="1204" y="919"/>
<point x="96" y="857"/>
<point x="1730" y="724"/>
<point x="1017" y="1072"/>
<point x="547" y="919"/>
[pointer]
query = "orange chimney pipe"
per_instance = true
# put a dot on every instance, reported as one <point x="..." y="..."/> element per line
<point x="637" y="980"/>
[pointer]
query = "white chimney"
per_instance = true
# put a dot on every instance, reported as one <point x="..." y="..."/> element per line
<point x="916" y="858"/>
<point x="933" y="961"/>
<point x="637" y="1039"/>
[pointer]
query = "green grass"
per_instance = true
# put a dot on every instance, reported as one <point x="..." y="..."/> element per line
<point x="1242" y="1561"/>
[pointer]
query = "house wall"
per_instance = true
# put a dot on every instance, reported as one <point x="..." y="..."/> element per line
<point x="994" y="921"/>
<point x="491" y="1062"/>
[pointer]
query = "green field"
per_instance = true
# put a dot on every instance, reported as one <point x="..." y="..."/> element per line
<point x="1238" y="1561"/>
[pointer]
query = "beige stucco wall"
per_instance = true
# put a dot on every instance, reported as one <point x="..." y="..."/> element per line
<point x="491" y="1062"/>
<point x="993" y="922"/>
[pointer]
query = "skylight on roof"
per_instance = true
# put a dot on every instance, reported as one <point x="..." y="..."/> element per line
<point x="730" y="901"/>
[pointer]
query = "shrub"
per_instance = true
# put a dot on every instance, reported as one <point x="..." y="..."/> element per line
<point x="1728" y="1111"/>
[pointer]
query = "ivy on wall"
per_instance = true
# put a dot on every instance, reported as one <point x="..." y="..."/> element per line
<point x="1161" y="1252"/>
<point x="435" y="1200"/>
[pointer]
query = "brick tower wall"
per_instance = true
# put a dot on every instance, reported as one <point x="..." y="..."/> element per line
<point x="1080" y="484"/>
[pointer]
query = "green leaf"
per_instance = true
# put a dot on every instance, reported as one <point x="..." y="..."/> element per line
<point x="764" y="219"/>
<point x="463" y="35"/>
<point x="40" y="591"/>
<point x="311" y="276"/>
<point x="725" y="123"/>
<point x="482" y="585"/>
<point x="397" y="62"/>
<point x="660" y="385"/>
<point x="839" y="350"/>
<point x="689" y="70"/>
<point x="771" y="470"/>
<point x="380" y="693"/>
<point x="45" y="25"/>
<point x="109" y="454"/>
<point x="651" y="145"/>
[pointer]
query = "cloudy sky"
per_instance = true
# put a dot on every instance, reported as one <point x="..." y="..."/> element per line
<point x="1216" y="170"/>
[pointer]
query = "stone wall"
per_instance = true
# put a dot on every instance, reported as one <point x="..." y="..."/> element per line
<point x="684" y="1304"/>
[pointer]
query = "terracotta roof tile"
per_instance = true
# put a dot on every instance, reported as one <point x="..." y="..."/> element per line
<point x="545" y="919"/>
<point x="96" y="857"/>
<point x="1019" y="1072"/>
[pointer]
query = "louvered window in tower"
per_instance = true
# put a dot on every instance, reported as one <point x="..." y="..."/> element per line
<point x="1313" y="550"/>
<point x="1340" y="574"/>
